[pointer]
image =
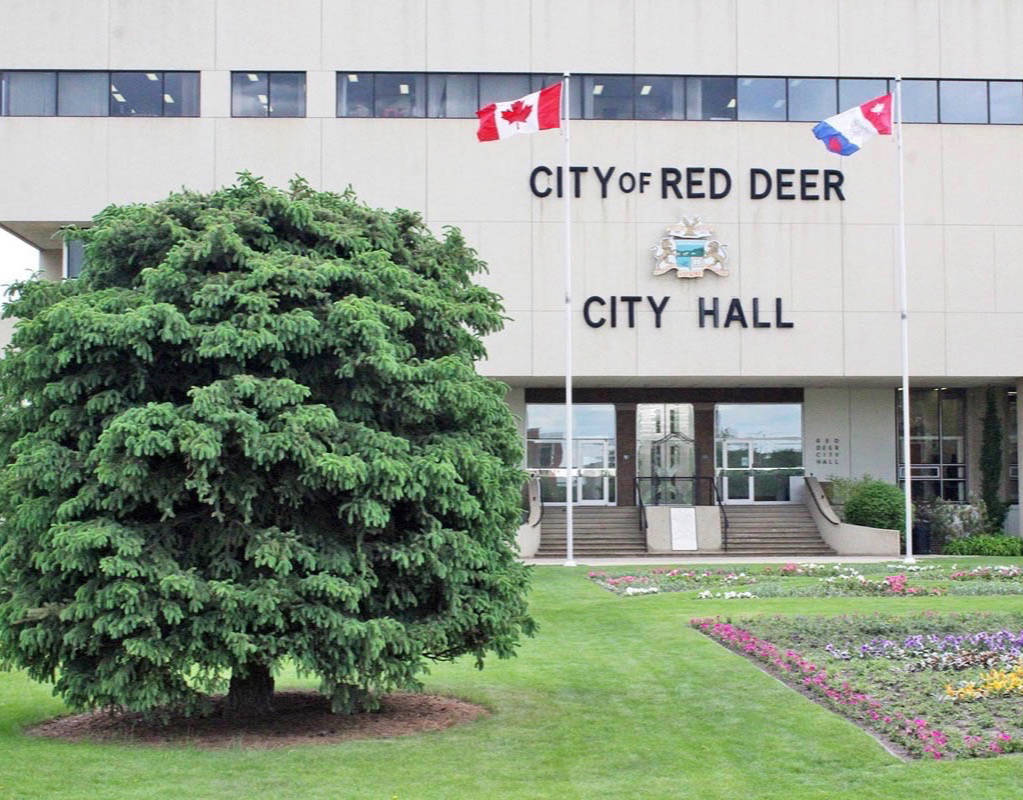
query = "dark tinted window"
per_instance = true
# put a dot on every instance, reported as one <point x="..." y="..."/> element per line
<point x="355" y="94"/>
<point x="658" y="97"/>
<point x="28" y="94"/>
<point x="268" y="94"/>
<point x="710" y="98"/>
<point x="136" y="94"/>
<point x="399" y="95"/>
<point x="181" y="94"/>
<point x="287" y="94"/>
<point x="74" y="257"/>
<point x="607" y="97"/>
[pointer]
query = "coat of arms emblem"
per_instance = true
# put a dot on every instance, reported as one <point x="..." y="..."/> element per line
<point x="688" y="247"/>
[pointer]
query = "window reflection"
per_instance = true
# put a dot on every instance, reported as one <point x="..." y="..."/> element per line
<point x="1006" y="102"/>
<point x="919" y="101"/>
<point x="660" y="97"/>
<point x="762" y="98"/>
<point x="497" y="88"/>
<point x="964" y="101"/>
<point x="82" y="94"/>
<point x="453" y="96"/>
<point x="856" y="91"/>
<point x="250" y="94"/>
<point x="936" y="444"/>
<point x="710" y="98"/>
<point x="812" y="99"/>
<point x="28" y="94"/>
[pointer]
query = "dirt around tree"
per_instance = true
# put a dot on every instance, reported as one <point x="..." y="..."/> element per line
<point x="299" y="718"/>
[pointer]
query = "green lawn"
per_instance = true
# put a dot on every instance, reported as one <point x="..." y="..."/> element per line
<point x="615" y="697"/>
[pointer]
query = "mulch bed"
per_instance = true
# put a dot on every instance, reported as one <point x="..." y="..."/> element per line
<point x="299" y="718"/>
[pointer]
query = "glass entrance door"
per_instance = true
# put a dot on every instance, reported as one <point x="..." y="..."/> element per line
<point x="736" y="475"/>
<point x="758" y="449"/>
<point x="591" y="487"/>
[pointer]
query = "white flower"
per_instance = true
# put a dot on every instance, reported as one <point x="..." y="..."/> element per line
<point x="634" y="590"/>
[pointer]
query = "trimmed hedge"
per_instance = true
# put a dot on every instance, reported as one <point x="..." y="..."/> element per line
<point x="984" y="545"/>
<point x="876" y="504"/>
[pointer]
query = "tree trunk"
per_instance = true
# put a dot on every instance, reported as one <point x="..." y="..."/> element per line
<point x="251" y="691"/>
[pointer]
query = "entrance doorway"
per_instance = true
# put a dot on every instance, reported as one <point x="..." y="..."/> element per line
<point x="593" y="453"/>
<point x="758" y="449"/>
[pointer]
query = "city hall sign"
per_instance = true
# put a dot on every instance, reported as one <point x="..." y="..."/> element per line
<point x="689" y="249"/>
<point x="689" y="183"/>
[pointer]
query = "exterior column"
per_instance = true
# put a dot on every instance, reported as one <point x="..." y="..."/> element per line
<point x="703" y="423"/>
<point x="625" y="453"/>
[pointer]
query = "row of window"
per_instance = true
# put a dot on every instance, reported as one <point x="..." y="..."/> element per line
<point x="99" y="94"/>
<point x="459" y="95"/>
<point x="678" y="97"/>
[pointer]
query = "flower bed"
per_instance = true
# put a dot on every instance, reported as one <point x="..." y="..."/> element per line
<point x="818" y="580"/>
<point x="891" y="674"/>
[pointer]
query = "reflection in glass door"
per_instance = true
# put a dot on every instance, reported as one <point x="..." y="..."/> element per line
<point x="593" y="454"/>
<point x="735" y="471"/>
<point x="592" y="483"/>
<point x="759" y="448"/>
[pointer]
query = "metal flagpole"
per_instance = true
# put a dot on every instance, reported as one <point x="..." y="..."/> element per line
<point x="569" y="439"/>
<point x="907" y="474"/>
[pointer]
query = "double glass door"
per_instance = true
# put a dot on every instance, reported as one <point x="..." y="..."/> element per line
<point x="757" y="470"/>
<point x="592" y="463"/>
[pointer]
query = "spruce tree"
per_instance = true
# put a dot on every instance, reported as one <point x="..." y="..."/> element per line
<point x="252" y="433"/>
<point x="991" y="464"/>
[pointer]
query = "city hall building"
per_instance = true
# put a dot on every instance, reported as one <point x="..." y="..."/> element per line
<point x="735" y="310"/>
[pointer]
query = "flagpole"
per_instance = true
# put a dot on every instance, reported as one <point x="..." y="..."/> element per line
<point x="906" y="463"/>
<point x="569" y="438"/>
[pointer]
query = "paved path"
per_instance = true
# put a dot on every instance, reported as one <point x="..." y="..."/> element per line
<point x="724" y="559"/>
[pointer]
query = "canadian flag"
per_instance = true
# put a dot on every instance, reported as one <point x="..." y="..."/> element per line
<point x="538" y="111"/>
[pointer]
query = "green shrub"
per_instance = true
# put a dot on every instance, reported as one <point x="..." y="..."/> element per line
<point x="876" y="504"/>
<point x="984" y="545"/>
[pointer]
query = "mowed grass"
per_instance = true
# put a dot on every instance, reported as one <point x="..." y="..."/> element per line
<point x="615" y="697"/>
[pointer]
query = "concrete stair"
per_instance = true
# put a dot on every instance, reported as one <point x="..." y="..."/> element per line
<point x="597" y="531"/>
<point x="773" y="530"/>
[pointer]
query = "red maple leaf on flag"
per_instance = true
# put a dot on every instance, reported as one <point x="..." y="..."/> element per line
<point x="519" y="112"/>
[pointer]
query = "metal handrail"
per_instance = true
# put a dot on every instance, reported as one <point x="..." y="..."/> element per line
<point x="724" y="515"/>
<point x="642" y="506"/>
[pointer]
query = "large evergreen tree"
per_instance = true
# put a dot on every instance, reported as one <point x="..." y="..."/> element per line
<point x="252" y="432"/>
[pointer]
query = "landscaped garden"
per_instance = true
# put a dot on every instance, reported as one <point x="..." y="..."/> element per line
<point x="622" y="696"/>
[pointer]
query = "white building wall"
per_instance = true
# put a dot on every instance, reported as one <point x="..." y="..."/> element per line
<point x="832" y="263"/>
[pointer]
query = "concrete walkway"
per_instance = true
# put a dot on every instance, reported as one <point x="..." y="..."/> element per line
<point x="682" y="558"/>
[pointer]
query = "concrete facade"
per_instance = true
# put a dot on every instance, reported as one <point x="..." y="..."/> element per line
<point x="833" y="264"/>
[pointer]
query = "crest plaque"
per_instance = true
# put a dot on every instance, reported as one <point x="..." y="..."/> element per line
<point x="689" y="248"/>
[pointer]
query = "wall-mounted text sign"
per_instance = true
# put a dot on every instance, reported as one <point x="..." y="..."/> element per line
<point x="690" y="183"/>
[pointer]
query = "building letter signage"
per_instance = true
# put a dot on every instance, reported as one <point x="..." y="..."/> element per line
<point x="688" y="183"/>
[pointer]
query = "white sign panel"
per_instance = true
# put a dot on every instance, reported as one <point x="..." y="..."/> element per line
<point x="683" y="529"/>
